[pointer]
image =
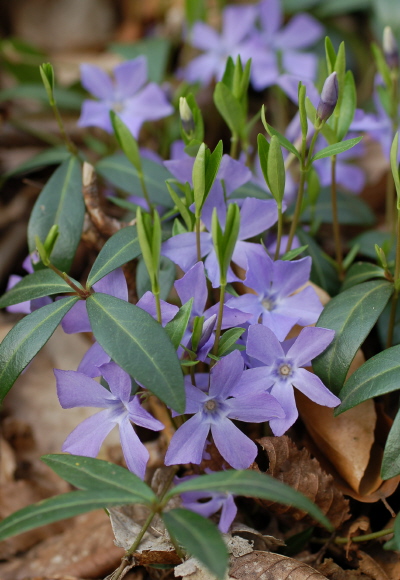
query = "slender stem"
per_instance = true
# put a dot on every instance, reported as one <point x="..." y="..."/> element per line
<point x="365" y="537"/>
<point x="198" y="243"/>
<point x="219" y="319"/>
<point x="390" y="190"/>
<point x="297" y="211"/>
<point x="335" y="219"/>
<point x="82" y="293"/>
<point x="158" y="304"/>
<point x="234" y="145"/>
<point x="279" y="234"/>
<point x="145" y="192"/>
<point x="70" y="146"/>
<point x="395" y="297"/>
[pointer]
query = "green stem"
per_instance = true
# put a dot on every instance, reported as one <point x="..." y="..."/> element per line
<point x="81" y="293"/>
<point x="390" y="190"/>
<point x="365" y="537"/>
<point x="69" y="144"/>
<point x="145" y="192"/>
<point x="395" y="297"/>
<point x="219" y="319"/>
<point x="297" y="211"/>
<point x="198" y="243"/>
<point x="158" y="305"/>
<point x="279" y="233"/>
<point x="335" y="219"/>
<point x="234" y="145"/>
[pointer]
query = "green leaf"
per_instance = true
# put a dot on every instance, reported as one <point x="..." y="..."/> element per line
<point x="375" y="377"/>
<point x="60" y="203"/>
<point x="126" y="141"/>
<point x="263" y="152"/>
<point x="228" y="339"/>
<point x="340" y="68"/>
<point x="351" y="209"/>
<point x="302" y="109"/>
<point x="395" y="166"/>
<point x="330" y="55"/>
<point x="322" y="272"/>
<point x="27" y="337"/>
<point x="66" y="98"/>
<point x="59" y="508"/>
<point x="166" y="277"/>
<point x="199" y="178"/>
<point x="195" y="10"/>
<point x="181" y="206"/>
<point x="348" y="106"/>
<point x="52" y="156"/>
<point x="251" y="484"/>
<point x="292" y="254"/>
<point x="177" y="326"/>
<point x="361" y="272"/>
<point x="91" y="474"/>
<point x="394" y="543"/>
<point x="368" y="240"/>
<point x="229" y="108"/>
<point x="336" y="148"/>
<point x="120" y="172"/>
<point x="137" y="343"/>
<point x="391" y="456"/>
<point x="352" y="314"/>
<point x="212" y="166"/>
<point x="381" y="65"/>
<point x="36" y="285"/>
<point x="281" y="138"/>
<point x="326" y="130"/>
<point x="200" y="538"/>
<point x="155" y="49"/>
<point x="122" y="247"/>
<point x="276" y="170"/>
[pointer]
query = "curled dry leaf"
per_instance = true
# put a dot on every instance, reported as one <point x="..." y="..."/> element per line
<point x="296" y="468"/>
<point x="369" y="566"/>
<point x="270" y="566"/>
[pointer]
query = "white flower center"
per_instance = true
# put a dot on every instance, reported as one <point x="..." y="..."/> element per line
<point x="284" y="370"/>
<point x="268" y="304"/>
<point x="210" y="405"/>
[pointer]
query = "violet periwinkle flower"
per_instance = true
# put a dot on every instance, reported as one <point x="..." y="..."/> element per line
<point x="75" y="389"/>
<point x="30" y="305"/>
<point x="213" y="409"/>
<point x="237" y="25"/>
<point x="273" y="303"/>
<point x="127" y="94"/>
<point x="283" y="369"/>
<point x="329" y="97"/>
<point x="195" y="501"/>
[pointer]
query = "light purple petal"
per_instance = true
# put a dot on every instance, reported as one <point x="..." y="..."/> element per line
<point x="230" y="317"/>
<point x="228" y="514"/>
<point x="77" y="390"/>
<point x="235" y="447"/>
<point x="255" y="408"/>
<point x="279" y="323"/>
<point x="135" y="453"/>
<point x="237" y="22"/>
<point x="260" y="272"/>
<point x="245" y="250"/>
<point x="202" y="69"/>
<point x="306" y="62"/>
<point x="226" y="374"/>
<point x="256" y="216"/>
<point x="130" y="76"/>
<point x="21" y="307"/>
<point x="87" y="437"/>
<point x="285" y="396"/>
<point x="92" y="360"/>
<point x="215" y="199"/>
<point x="263" y="344"/>
<point x="205" y="509"/>
<point x="313" y="388"/>
<point x="95" y="114"/>
<point x="113" y="284"/>
<point x="350" y="177"/>
<point x="148" y="303"/>
<point x="301" y="31"/>
<point x="118" y="380"/>
<point x="188" y="442"/>
<point x="234" y="173"/>
<point x="305" y="306"/>
<point x="195" y="397"/>
<point x="150" y="104"/>
<point x="193" y="285"/>
<point x="264" y="70"/>
<point x="181" y="169"/>
<point x="97" y="82"/>
<point x="27" y="264"/>
<point x="309" y="344"/>
<point x="290" y="83"/>
<point x="141" y="417"/>
<point x="270" y="16"/>
<point x="181" y="249"/>
<point x="204" y="37"/>
<point x="254" y="381"/>
<point x="77" y="319"/>
<point x="290" y="275"/>
<point x="213" y="272"/>
<point x="249" y="304"/>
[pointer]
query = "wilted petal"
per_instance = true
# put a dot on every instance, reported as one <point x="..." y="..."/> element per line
<point x="97" y="82"/>
<point x="95" y="114"/>
<point x="87" y="438"/>
<point x="130" y="76"/>
<point x="135" y="453"/>
<point x="77" y="390"/>
<point x="235" y="447"/>
<point x="188" y="442"/>
<point x="312" y="387"/>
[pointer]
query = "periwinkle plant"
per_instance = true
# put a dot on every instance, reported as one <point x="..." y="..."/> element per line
<point x="215" y="358"/>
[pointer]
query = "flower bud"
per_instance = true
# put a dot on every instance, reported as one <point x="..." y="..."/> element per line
<point x="390" y="48"/>
<point x="186" y="116"/>
<point x="329" y="97"/>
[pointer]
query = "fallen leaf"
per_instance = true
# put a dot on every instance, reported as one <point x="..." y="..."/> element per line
<point x="296" y="468"/>
<point x="371" y="567"/>
<point x="334" y="572"/>
<point x="270" y="566"/>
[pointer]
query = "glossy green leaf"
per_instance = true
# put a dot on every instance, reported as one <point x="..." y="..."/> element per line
<point x="60" y="203"/>
<point x="228" y="339"/>
<point x="322" y="272"/>
<point x="391" y="457"/>
<point x="394" y="543"/>
<point x="340" y="68"/>
<point x="361" y="272"/>
<point x="212" y="166"/>
<point x="126" y="141"/>
<point x="229" y="108"/>
<point x="263" y="152"/>
<point x="368" y="240"/>
<point x="381" y="64"/>
<point x="330" y="54"/>
<point x="52" y="156"/>
<point x="336" y="148"/>
<point x="200" y="538"/>
<point x="36" y="285"/>
<point x="351" y="314"/>
<point x="137" y="343"/>
<point x="199" y="178"/>
<point x="351" y="209"/>
<point x="276" y="170"/>
<point x="281" y="138"/>
<point x="122" y="247"/>
<point x="252" y="484"/>
<point x="27" y="337"/>
<point x="177" y="326"/>
<point x="156" y="49"/>
<point x="375" y="377"/>
<point x="166" y="277"/>
<point x="59" y="508"/>
<point x="91" y="474"/>
<point x="348" y="106"/>
<point x="120" y="172"/>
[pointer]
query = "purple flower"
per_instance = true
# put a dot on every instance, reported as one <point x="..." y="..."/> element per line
<point x="283" y="370"/>
<point x="194" y="285"/>
<point x="75" y="389"/>
<point x="276" y="46"/>
<point x="274" y="303"/>
<point x="194" y="501"/>
<point x="237" y="24"/>
<point x="213" y="410"/>
<point x="30" y="305"/>
<point x="329" y="97"/>
<point x="127" y="95"/>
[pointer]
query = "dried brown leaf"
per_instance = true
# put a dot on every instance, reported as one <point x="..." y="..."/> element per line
<point x="334" y="572"/>
<point x="371" y="567"/>
<point x="270" y="566"/>
<point x="296" y="468"/>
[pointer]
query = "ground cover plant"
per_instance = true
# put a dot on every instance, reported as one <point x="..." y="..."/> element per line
<point x="240" y="298"/>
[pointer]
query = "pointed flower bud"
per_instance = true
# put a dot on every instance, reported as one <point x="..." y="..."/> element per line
<point x="390" y="48"/>
<point x="186" y="116"/>
<point x="329" y="97"/>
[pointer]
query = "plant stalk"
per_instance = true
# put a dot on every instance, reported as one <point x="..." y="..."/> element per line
<point x="335" y="220"/>
<point x="219" y="319"/>
<point x="395" y="297"/>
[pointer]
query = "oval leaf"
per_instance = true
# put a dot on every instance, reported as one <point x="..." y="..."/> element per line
<point x="27" y="337"/>
<point x="351" y="314"/>
<point x="336" y="148"/>
<point x="177" y="326"/>
<point x="36" y="285"/>
<point x="379" y="375"/>
<point x="119" y="249"/>
<point x="229" y="108"/>
<point x="361" y="272"/>
<point x="59" y="508"/>
<point x="138" y="344"/>
<point x="60" y="203"/>
<point x="391" y="456"/>
<point x="200" y="538"/>
<point x="94" y="474"/>
<point x="252" y="484"/>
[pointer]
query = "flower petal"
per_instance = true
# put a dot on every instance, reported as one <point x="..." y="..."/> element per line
<point x="225" y="375"/>
<point x="313" y="388"/>
<point x="181" y="249"/>
<point x="204" y="37"/>
<point x="95" y="114"/>
<point x="148" y="303"/>
<point x="235" y="447"/>
<point x="263" y="344"/>
<point x="92" y="360"/>
<point x="87" y="438"/>
<point x="254" y="408"/>
<point x="113" y="284"/>
<point x="187" y="444"/>
<point x="77" y="390"/>
<point x="194" y="285"/>
<point x="77" y="319"/>
<point x="130" y="76"/>
<point x="256" y="216"/>
<point x="228" y="514"/>
<point x="118" y="380"/>
<point x="309" y="344"/>
<point x="271" y="16"/>
<point x="284" y="394"/>
<point x="97" y="82"/>
<point x="301" y="31"/>
<point x="135" y="453"/>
